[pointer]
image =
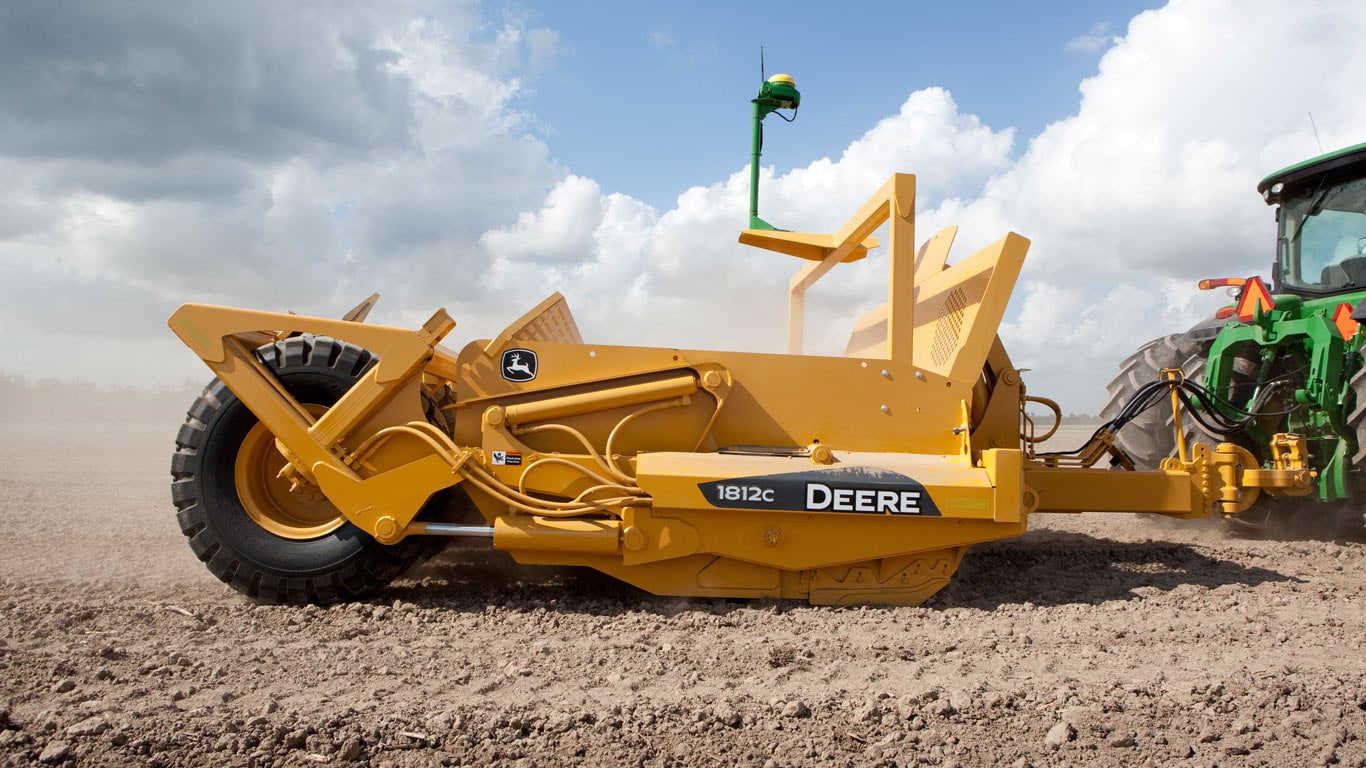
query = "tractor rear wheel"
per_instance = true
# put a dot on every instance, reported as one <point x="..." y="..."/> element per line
<point x="268" y="541"/>
<point x="1151" y="436"/>
<point x="1353" y="522"/>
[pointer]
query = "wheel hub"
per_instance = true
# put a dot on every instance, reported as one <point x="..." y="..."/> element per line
<point x="275" y="496"/>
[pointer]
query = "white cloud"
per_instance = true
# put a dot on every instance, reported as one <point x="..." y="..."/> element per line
<point x="681" y="279"/>
<point x="1151" y="186"/>
<point x="1128" y="203"/>
<point x="560" y="230"/>
<point x="426" y="186"/>
<point x="1097" y="39"/>
<point x="296" y="164"/>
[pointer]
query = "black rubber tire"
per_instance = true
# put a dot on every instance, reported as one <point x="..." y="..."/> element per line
<point x="342" y="565"/>
<point x="1150" y="437"/>
<point x="1353" y="522"/>
<point x="1356" y="418"/>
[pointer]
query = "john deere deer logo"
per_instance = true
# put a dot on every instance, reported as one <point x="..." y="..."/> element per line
<point x="519" y="365"/>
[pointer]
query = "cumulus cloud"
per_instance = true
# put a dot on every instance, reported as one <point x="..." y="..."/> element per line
<point x="156" y="153"/>
<point x="284" y="157"/>
<point x="1149" y="187"/>
<point x="560" y="230"/>
<point x="679" y="278"/>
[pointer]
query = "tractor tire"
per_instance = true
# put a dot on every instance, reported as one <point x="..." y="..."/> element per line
<point x="245" y="524"/>
<point x="1353" y="522"/>
<point x="1356" y="418"/>
<point x="1150" y="437"/>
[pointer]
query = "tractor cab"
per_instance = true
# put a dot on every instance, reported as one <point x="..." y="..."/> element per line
<point x="1321" y="232"/>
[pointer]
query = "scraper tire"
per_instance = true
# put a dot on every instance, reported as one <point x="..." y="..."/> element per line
<point x="244" y="523"/>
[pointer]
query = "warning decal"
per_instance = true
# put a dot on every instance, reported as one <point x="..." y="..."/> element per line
<point x="506" y="458"/>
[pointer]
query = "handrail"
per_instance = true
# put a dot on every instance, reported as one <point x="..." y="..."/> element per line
<point x="851" y="243"/>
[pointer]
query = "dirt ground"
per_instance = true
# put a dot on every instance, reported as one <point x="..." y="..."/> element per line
<point x="1092" y="640"/>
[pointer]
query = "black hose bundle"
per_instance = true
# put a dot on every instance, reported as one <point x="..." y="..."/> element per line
<point x="1213" y="413"/>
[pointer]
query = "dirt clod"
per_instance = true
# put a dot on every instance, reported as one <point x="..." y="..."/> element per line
<point x="1061" y="733"/>
<point x="91" y="726"/>
<point x="55" y="752"/>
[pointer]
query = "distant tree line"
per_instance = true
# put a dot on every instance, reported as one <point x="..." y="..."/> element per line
<point x="52" y="400"/>
<point x="1045" y="418"/>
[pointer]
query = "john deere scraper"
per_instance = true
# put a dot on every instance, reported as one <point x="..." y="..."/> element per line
<point x="328" y="455"/>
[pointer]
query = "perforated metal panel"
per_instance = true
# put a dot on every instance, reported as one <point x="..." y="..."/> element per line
<point x="549" y="321"/>
<point x="554" y="324"/>
<point x="949" y="326"/>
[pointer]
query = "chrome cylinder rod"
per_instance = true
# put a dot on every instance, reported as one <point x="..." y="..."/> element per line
<point x="446" y="529"/>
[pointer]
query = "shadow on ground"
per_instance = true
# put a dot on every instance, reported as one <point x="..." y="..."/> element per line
<point x="1056" y="568"/>
<point x="1061" y="568"/>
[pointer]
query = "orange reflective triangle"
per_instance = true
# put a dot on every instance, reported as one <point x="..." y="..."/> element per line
<point x="1342" y="318"/>
<point x="1256" y="298"/>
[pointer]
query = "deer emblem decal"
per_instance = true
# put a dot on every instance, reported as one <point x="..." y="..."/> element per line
<point x="519" y="365"/>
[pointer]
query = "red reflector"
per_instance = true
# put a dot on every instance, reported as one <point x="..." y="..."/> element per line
<point x="1225" y="313"/>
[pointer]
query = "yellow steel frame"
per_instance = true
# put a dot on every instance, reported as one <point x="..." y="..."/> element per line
<point x="604" y="456"/>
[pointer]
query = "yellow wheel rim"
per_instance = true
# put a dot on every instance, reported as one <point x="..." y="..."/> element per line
<point x="267" y="497"/>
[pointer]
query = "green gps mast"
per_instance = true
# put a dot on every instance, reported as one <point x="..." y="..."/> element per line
<point x="777" y="92"/>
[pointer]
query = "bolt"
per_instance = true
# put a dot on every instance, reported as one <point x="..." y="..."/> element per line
<point x="711" y="379"/>
<point x="886" y="373"/>
<point x="885" y="409"/>
<point x="920" y="375"/>
<point x="633" y="538"/>
<point x="386" y="529"/>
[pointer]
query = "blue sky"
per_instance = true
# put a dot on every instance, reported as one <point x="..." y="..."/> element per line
<point x="651" y="98"/>
<point x="479" y="155"/>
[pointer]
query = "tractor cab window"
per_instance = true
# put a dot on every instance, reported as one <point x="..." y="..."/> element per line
<point x="1323" y="238"/>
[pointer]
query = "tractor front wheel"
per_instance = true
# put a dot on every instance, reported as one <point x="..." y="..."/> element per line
<point x="271" y="540"/>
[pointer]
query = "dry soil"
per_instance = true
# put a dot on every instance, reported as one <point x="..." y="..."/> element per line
<point x="1099" y="640"/>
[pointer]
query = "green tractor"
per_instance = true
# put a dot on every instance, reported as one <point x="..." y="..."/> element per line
<point x="1284" y="359"/>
